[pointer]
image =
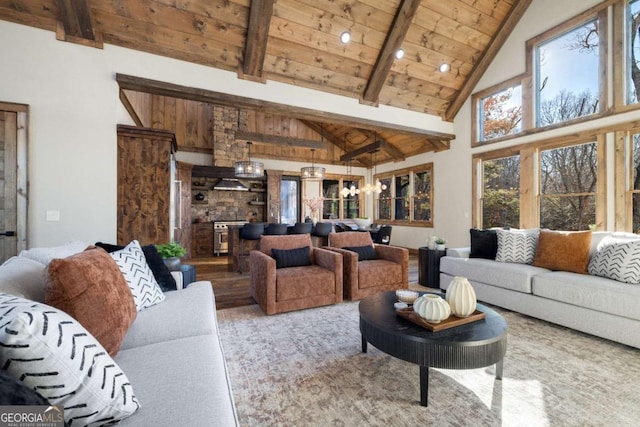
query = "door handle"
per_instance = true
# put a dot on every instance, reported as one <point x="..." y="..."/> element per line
<point x="8" y="233"/>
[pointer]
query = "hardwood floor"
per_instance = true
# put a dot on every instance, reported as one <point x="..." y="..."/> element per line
<point x="232" y="289"/>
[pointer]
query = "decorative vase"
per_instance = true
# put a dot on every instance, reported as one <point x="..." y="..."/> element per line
<point x="461" y="297"/>
<point x="432" y="308"/>
<point x="172" y="263"/>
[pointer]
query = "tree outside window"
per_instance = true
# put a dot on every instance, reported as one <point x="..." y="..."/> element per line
<point x="501" y="192"/>
<point x="635" y="147"/>
<point x="568" y="178"/>
<point x="384" y="200"/>
<point x="422" y="195"/>
<point x="567" y="80"/>
<point x="501" y="113"/>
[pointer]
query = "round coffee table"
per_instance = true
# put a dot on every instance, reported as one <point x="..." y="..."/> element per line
<point x="470" y="346"/>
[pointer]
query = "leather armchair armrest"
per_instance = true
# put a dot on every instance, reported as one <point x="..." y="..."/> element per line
<point x="332" y="261"/>
<point x="398" y="255"/>
<point x="263" y="280"/>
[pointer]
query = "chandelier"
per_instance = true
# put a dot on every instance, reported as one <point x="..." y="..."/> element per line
<point x="312" y="172"/>
<point x="378" y="187"/>
<point x="249" y="168"/>
<point x="352" y="190"/>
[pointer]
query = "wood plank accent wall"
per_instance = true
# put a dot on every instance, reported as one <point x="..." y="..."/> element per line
<point x="144" y="182"/>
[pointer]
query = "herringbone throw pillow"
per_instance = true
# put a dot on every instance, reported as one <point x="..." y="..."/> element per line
<point x="133" y="265"/>
<point x="617" y="260"/>
<point x="517" y="246"/>
<point x="50" y="352"/>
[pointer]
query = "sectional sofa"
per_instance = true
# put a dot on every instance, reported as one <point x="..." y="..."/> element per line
<point x="583" y="301"/>
<point x="170" y="358"/>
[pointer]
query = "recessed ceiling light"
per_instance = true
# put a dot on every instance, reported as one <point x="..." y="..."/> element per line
<point x="399" y="53"/>
<point x="444" y="67"/>
<point x="345" y="37"/>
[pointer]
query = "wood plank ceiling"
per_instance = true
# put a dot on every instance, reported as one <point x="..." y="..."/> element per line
<point x="298" y="42"/>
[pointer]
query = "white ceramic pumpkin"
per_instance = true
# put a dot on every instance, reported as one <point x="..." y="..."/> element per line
<point x="431" y="308"/>
<point x="461" y="297"/>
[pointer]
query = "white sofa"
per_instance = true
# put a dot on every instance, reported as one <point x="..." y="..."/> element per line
<point x="171" y="354"/>
<point x="592" y="304"/>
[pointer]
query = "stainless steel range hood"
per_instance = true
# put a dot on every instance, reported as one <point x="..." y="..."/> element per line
<point x="230" y="184"/>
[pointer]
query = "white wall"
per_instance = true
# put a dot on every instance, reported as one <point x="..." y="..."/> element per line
<point x="74" y="110"/>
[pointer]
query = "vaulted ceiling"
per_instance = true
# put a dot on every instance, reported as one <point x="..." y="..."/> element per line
<point x="298" y="41"/>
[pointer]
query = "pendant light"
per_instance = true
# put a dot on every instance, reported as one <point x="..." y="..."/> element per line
<point x="313" y="172"/>
<point x="249" y="168"/>
<point x="352" y="190"/>
<point x="378" y="187"/>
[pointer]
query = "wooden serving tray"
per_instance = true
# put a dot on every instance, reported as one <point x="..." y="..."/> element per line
<point x="451" y="322"/>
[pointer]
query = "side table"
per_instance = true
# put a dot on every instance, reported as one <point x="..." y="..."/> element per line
<point x="429" y="267"/>
<point x="188" y="274"/>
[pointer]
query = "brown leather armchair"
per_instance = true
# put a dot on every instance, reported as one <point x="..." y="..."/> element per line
<point x="389" y="271"/>
<point x="283" y="289"/>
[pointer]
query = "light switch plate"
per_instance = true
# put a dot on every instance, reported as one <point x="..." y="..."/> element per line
<point x="53" y="215"/>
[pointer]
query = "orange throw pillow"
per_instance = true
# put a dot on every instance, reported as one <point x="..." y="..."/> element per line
<point x="90" y="288"/>
<point x="563" y="250"/>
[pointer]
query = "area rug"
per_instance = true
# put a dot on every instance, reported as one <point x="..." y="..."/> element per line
<point x="306" y="368"/>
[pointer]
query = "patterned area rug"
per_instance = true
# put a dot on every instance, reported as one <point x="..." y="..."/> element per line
<point x="306" y="368"/>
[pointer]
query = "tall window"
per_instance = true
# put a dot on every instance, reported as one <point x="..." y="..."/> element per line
<point x="408" y="197"/>
<point x="568" y="178"/>
<point x="500" y="113"/>
<point x="501" y="192"/>
<point x="289" y="200"/>
<point x="635" y="189"/>
<point x="331" y="199"/>
<point x="350" y="204"/>
<point x="633" y="52"/>
<point x="567" y="77"/>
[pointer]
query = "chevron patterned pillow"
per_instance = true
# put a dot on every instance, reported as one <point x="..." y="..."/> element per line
<point x="617" y="260"/>
<point x="133" y="265"/>
<point x="53" y="354"/>
<point x="517" y="246"/>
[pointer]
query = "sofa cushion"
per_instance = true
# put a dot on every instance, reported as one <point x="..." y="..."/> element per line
<point x="46" y="254"/>
<point x="365" y="253"/>
<point x="22" y="277"/>
<point x="155" y="262"/>
<point x="617" y="260"/>
<point x="297" y="257"/>
<point x="516" y="277"/>
<point x="517" y="246"/>
<point x="563" y="250"/>
<point x="188" y="312"/>
<point x="90" y="288"/>
<point x="592" y="292"/>
<point x="181" y="382"/>
<point x="379" y="272"/>
<point x="136" y="271"/>
<point x="303" y="282"/>
<point x="484" y="243"/>
<point x="52" y="353"/>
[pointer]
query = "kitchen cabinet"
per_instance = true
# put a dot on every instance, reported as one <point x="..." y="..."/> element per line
<point x="145" y="185"/>
<point x="202" y="240"/>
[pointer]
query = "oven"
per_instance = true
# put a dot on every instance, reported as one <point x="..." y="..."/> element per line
<point x="221" y="235"/>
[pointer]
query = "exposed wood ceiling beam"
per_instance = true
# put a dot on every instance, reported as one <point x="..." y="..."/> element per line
<point x="130" y="109"/>
<point x="385" y="145"/>
<point x="392" y="43"/>
<point x="261" y="138"/>
<point x="508" y="24"/>
<point x="76" y="18"/>
<point x="374" y="146"/>
<point x="156" y="87"/>
<point x="330" y="137"/>
<point x="257" y="36"/>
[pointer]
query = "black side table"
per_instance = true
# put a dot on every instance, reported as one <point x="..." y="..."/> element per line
<point x="429" y="267"/>
<point x="188" y="274"/>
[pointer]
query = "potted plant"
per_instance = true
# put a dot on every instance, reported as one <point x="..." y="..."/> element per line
<point x="440" y="242"/>
<point x="171" y="253"/>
